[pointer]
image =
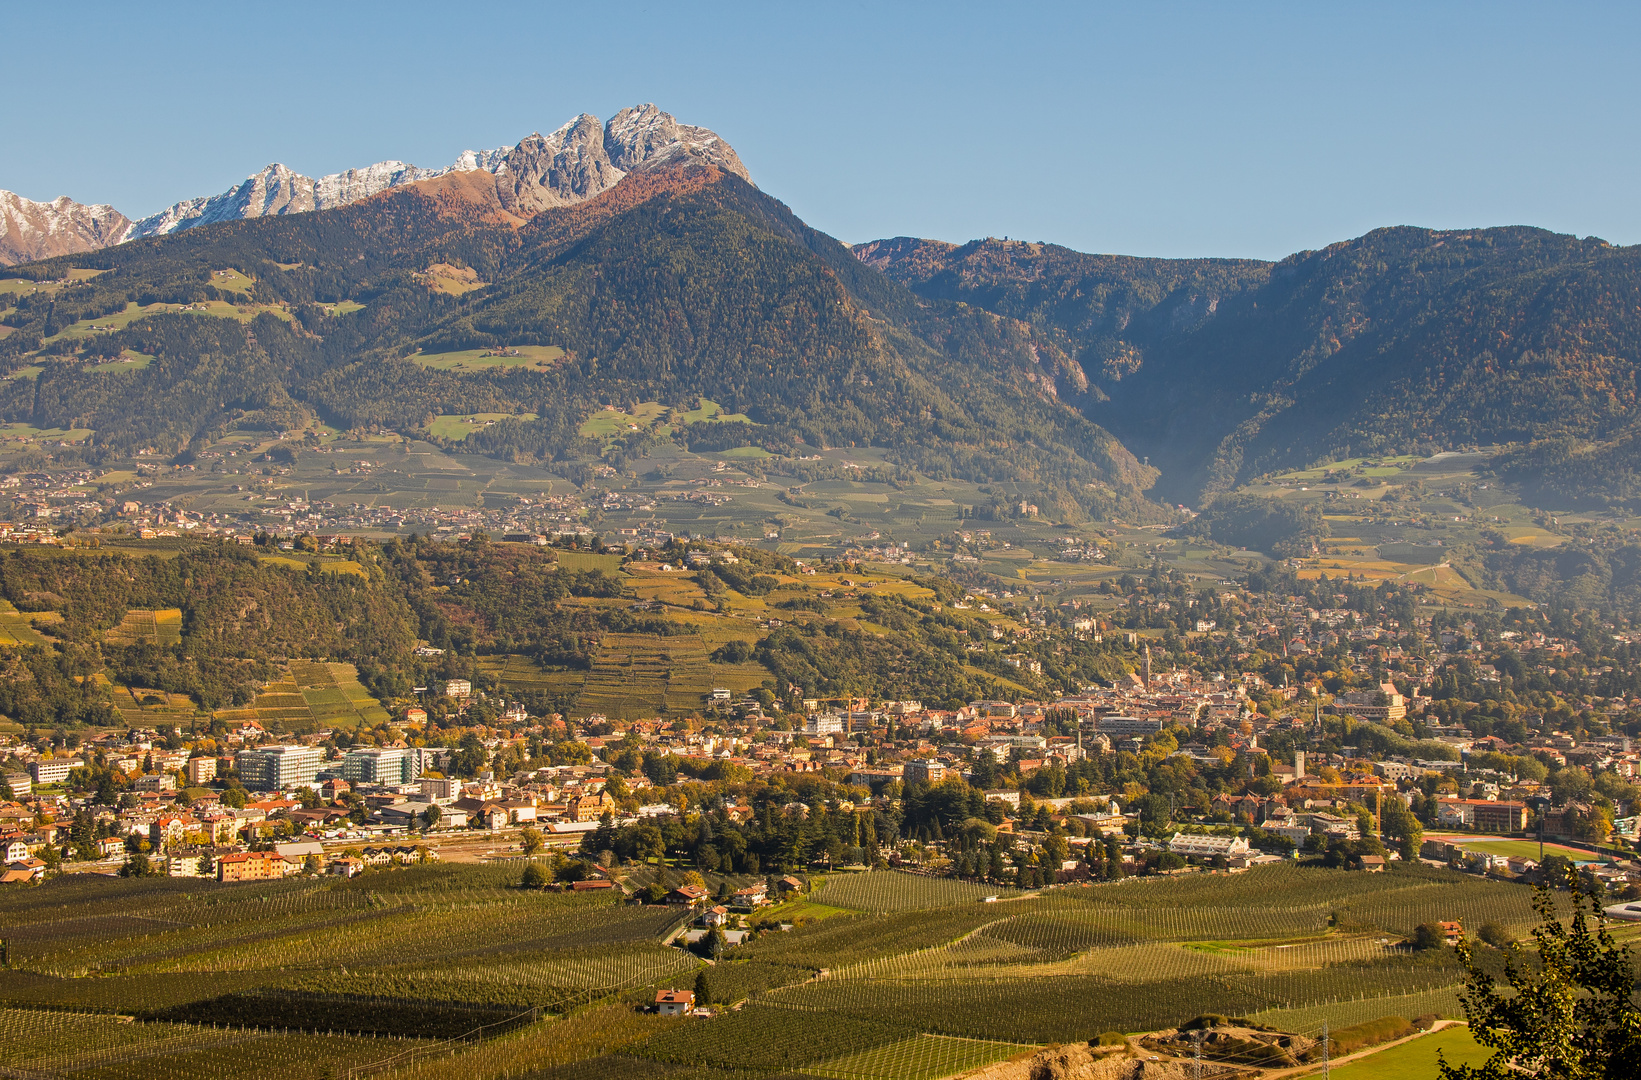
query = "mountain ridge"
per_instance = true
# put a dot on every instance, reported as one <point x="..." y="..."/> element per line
<point x="582" y="158"/>
<point x="1401" y="340"/>
<point x="678" y="283"/>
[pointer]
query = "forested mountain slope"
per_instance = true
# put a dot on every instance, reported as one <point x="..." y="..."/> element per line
<point x="678" y="283"/>
<point x="1403" y="339"/>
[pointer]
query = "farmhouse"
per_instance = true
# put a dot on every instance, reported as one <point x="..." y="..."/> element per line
<point x="674" y="1002"/>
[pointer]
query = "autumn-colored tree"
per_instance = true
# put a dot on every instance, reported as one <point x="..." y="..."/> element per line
<point x="1572" y="1015"/>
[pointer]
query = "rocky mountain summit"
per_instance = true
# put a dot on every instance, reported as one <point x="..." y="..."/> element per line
<point x="582" y="159"/>
<point x="32" y="230"/>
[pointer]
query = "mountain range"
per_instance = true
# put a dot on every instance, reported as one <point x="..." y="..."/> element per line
<point x="579" y="160"/>
<point x="640" y="247"/>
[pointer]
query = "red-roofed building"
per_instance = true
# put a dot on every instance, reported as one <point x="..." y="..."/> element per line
<point x="254" y="866"/>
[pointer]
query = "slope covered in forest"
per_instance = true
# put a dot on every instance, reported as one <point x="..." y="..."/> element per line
<point x="1402" y="340"/>
<point x="676" y="284"/>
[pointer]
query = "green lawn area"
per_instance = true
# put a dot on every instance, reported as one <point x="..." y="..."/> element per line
<point x="711" y="410"/>
<point x="484" y="359"/>
<point x="1416" y="1060"/>
<point x="29" y="432"/>
<point x="793" y="910"/>
<point x="746" y="452"/>
<point x="457" y="427"/>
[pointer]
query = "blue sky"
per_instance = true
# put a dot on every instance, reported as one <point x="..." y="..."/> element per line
<point x="1249" y="129"/>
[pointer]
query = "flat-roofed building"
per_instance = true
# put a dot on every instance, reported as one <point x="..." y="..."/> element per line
<point x="278" y="768"/>
<point x="381" y="765"/>
<point x="923" y="771"/>
<point x="1120" y="727"/>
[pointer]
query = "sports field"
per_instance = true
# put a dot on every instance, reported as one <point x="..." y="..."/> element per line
<point x="1518" y="849"/>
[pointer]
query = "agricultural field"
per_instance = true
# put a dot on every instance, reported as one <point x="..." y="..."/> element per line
<point x="335" y="696"/>
<point x="453" y="971"/>
<point x="314" y="695"/>
<point x="143" y="627"/>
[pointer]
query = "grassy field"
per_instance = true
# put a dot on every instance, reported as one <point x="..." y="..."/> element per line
<point x="128" y="360"/>
<point x="30" y="433"/>
<point x="516" y="356"/>
<point x="452" y="280"/>
<point x="231" y="281"/>
<point x="610" y="422"/>
<point x="1416" y="1059"/>
<point x="587" y="560"/>
<point x="220" y="309"/>
<point x="1523" y="849"/>
<point x="457" y="427"/>
<point x="327" y="565"/>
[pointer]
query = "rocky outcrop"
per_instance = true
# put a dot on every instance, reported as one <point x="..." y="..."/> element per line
<point x="32" y="230"/>
<point x="647" y="138"/>
<point x="278" y="190"/>
<point x="1079" y="1061"/>
<point x="547" y="171"/>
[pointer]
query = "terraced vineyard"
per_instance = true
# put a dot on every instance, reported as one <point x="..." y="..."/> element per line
<point x="521" y="674"/>
<point x="637" y="675"/>
<point x="451" y="971"/>
<point x="144" y="627"/>
<point x="315" y="695"/>
<point x="335" y="695"/>
<point x="17" y="628"/>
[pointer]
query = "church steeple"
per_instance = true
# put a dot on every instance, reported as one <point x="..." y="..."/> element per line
<point x="1147" y="677"/>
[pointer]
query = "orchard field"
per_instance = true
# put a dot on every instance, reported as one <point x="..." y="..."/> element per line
<point x="434" y="971"/>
